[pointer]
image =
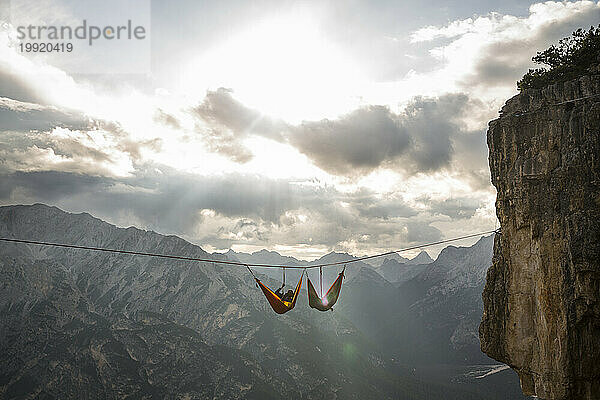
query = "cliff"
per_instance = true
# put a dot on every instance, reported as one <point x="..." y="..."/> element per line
<point x="542" y="295"/>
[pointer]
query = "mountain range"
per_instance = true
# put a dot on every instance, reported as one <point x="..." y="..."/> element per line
<point x="83" y="324"/>
<point x="272" y="257"/>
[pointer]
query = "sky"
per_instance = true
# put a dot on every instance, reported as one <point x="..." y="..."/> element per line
<point x="300" y="127"/>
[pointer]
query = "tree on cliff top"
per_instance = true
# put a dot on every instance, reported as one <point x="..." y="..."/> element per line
<point x="569" y="59"/>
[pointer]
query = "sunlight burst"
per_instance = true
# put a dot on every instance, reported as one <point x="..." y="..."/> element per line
<point x="284" y="67"/>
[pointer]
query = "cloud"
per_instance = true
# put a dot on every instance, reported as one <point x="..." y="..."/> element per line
<point x="225" y="122"/>
<point x="229" y="209"/>
<point x="16" y="87"/>
<point x="43" y="138"/>
<point x="355" y="143"/>
<point x="455" y="208"/>
<point x="432" y="123"/>
<point x="48" y="186"/>
<point x="417" y="140"/>
<point x="495" y="50"/>
<point x="420" y="232"/>
<point x="371" y="206"/>
<point x="477" y="62"/>
<point x="119" y="171"/>
<point x="24" y="116"/>
<point x="167" y="199"/>
<point x="470" y="160"/>
<point x="167" y="119"/>
<point x="90" y="152"/>
<point x="220" y="109"/>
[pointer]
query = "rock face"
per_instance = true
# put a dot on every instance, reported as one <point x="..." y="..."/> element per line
<point x="542" y="296"/>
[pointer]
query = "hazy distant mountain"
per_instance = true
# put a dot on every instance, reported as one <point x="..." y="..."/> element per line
<point x="430" y="312"/>
<point x="274" y="258"/>
<point x="264" y="257"/>
<point x="430" y="320"/>
<point x="333" y="257"/>
<point x="442" y="307"/>
<point x="79" y="324"/>
<point x="421" y="258"/>
<point x="399" y="273"/>
<point x="393" y="268"/>
<point x="271" y="258"/>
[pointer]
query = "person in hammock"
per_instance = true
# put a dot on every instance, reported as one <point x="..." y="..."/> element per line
<point x="279" y="292"/>
<point x="289" y="296"/>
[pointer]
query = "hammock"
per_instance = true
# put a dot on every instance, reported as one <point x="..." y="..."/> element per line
<point x="326" y="302"/>
<point x="279" y="306"/>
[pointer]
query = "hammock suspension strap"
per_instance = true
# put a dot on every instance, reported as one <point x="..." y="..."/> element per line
<point x="254" y="276"/>
<point x="321" y="278"/>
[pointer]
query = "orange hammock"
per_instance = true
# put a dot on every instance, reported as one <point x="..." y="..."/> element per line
<point x="278" y="305"/>
<point x="324" y="303"/>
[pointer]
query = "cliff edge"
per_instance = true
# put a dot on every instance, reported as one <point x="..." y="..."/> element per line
<point x="542" y="295"/>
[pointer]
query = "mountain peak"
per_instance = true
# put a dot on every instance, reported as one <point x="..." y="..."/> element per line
<point x="422" y="258"/>
<point x="379" y="261"/>
<point x="265" y="252"/>
<point x="50" y="223"/>
<point x="334" y="257"/>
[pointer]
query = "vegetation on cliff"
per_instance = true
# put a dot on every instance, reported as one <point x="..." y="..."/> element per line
<point x="572" y="57"/>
